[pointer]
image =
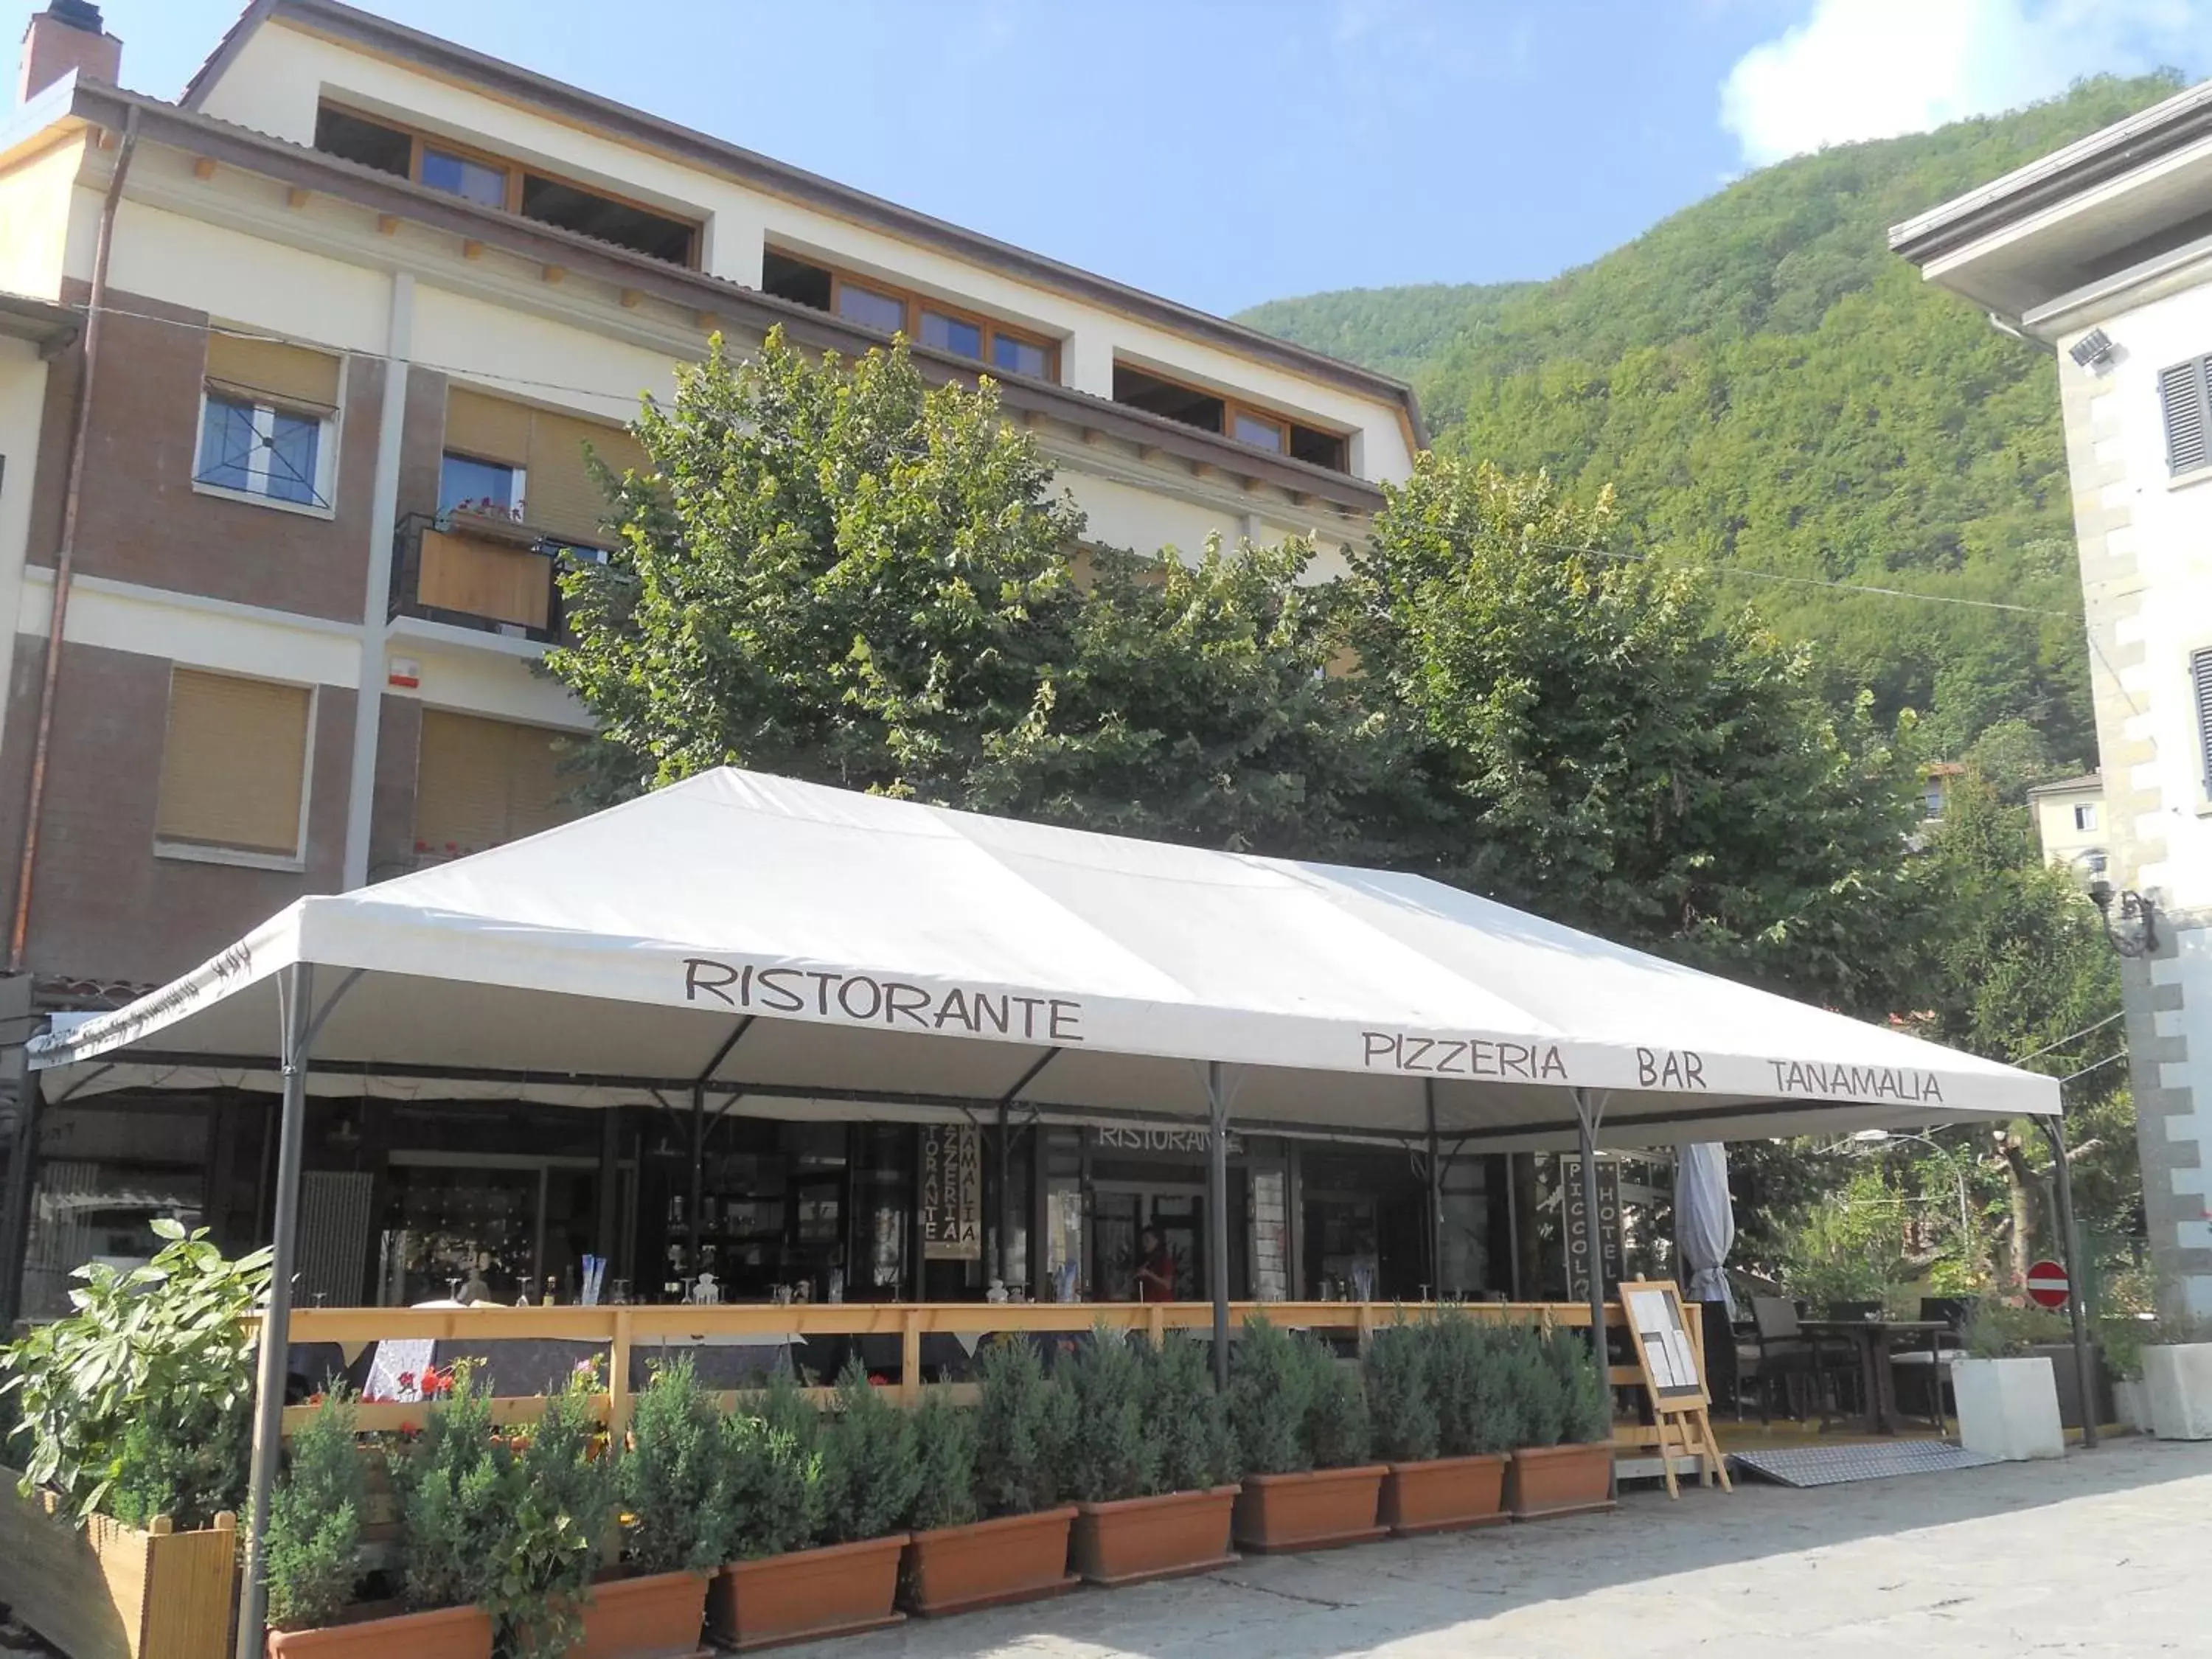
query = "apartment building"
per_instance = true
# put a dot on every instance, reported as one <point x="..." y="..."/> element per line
<point x="298" y="376"/>
<point x="2070" y="825"/>
<point x="2102" y="252"/>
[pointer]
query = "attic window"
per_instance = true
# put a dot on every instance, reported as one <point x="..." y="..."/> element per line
<point x="1247" y="423"/>
<point x="353" y="138"/>
<point x="794" y="280"/>
<point x="1185" y="404"/>
<point x="626" y="226"/>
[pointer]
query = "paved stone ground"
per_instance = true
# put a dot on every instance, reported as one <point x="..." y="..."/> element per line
<point x="2104" y="1554"/>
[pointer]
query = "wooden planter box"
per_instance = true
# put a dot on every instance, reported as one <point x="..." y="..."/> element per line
<point x="1444" y="1494"/>
<point x="442" y="1633"/>
<point x="1015" y="1558"/>
<point x="1139" y="1539"/>
<point x="112" y="1591"/>
<point x="1544" y="1481"/>
<point x="1318" y="1509"/>
<point x="655" y="1616"/>
<point x="837" y="1591"/>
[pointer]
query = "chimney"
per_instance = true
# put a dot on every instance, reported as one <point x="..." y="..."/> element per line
<point x="67" y="36"/>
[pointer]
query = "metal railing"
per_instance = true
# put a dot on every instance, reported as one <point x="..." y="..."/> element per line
<point x="407" y="568"/>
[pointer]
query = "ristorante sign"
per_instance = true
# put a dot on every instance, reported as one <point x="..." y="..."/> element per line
<point x="868" y="999"/>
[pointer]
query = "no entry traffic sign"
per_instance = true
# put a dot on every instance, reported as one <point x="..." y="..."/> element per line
<point x="2047" y="1284"/>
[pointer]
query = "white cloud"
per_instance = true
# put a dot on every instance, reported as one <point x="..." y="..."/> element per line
<point x="1872" y="68"/>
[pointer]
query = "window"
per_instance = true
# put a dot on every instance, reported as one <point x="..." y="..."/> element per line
<point x="266" y="419"/>
<point x="1211" y="411"/>
<point x="491" y="181"/>
<point x="488" y="486"/>
<point x="479" y="783"/>
<point x="2085" y="816"/>
<point x="233" y="768"/>
<point x="2183" y="391"/>
<point x="1932" y="799"/>
<point x="2200" y="673"/>
<point x="890" y="310"/>
<point x="492" y="445"/>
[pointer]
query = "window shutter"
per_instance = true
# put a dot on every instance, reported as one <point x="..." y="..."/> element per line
<point x="2200" y="671"/>
<point x="480" y="782"/>
<point x="488" y="428"/>
<point x="270" y="372"/>
<point x="561" y="497"/>
<point x="2182" y="389"/>
<point x="233" y="763"/>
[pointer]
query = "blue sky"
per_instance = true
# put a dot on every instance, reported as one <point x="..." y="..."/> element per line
<point x="1224" y="152"/>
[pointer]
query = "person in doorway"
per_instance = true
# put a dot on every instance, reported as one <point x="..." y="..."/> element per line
<point x="1155" y="1268"/>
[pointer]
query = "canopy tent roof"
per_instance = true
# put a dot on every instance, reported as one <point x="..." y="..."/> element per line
<point x="876" y="957"/>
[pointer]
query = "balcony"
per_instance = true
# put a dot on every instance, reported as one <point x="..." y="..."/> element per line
<point x="479" y="571"/>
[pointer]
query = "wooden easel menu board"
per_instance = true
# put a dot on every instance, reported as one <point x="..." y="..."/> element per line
<point x="1668" y="1356"/>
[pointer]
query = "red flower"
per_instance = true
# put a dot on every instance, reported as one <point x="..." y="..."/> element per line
<point x="409" y="1428"/>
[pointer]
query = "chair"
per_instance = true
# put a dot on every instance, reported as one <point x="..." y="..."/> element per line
<point x="1779" y="1352"/>
<point x="1930" y="1366"/>
<point x="1854" y="1311"/>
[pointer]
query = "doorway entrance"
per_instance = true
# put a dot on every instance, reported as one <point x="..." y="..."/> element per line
<point x="1122" y="1210"/>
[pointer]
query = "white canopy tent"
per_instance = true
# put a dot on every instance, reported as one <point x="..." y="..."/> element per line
<point x="805" y="951"/>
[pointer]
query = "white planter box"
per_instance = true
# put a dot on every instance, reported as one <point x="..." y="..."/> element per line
<point x="2129" y="1401"/>
<point x="2008" y="1408"/>
<point x="2177" y="1386"/>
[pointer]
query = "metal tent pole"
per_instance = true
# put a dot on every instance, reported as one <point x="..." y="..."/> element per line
<point x="1217" y="1226"/>
<point x="15" y="1248"/>
<point x="1586" y="1132"/>
<point x="698" y="1173"/>
<point x="2077" y="1282"/>
<point x="1435" y="1195"/>
<point x="1005" y="1205"/>
<point x="295" y="987"/>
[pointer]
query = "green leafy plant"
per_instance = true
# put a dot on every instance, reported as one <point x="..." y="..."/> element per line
<point x="1399" y="1371"/>
<point x="1271" y="1390"/>
<point x="1111" y="1453"/>
<point x="1585" y="1396"/>
<point x="768" y="1490"/>
<point x="1539" y="1411"/>
<point x="1186" y="1416"/>
<point x="1470" y="1372"/>
<point x="869" y="1474"/>
<point x="563" y="1496"/>
<point x="1338" y="1433"/>
<point x="945" y="1455"/>
<point x="667" y="1473"/>
<point x="145" y="1385"/>
<point x="1022" y="1429"/>
<point x="454" y="1490"/>
<point x="2007" y="1330"/>
<point x="312" y="1553"/>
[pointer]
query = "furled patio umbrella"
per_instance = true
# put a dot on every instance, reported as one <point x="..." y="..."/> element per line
<point x="1704" y="1219"/>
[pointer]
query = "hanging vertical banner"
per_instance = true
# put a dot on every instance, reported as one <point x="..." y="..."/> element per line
<point x="951" y="1193"/>
<point x="1578" y="1228"/>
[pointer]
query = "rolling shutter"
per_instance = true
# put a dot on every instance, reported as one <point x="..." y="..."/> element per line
<point x="479" y="783"/>
<point x="2182" y="389"/>
<point x="2200" y="672"/>
<point x="559" y="496"/>
<point x="269" y="371"/>
<point x="233" y="764"/>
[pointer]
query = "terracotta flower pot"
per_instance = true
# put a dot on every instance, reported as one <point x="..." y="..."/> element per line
<point x="1443" y="1493"/>
<point x="1317" y="1510"/>
<point x="837" y="1591"/>
<point x="657" y="1616"/>
<point x="1016" y="1558"/>
<point x="1141" y="1538"/>
<point x="1548" y="1480"/>
<point x="447" y="1633"/>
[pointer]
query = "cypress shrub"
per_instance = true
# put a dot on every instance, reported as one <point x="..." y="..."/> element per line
<point x="1187" y="1417"/>
<point x="1401" y="1377"/>
<point x="1271" y="1390"/>
<point x="1111" y="1453"/>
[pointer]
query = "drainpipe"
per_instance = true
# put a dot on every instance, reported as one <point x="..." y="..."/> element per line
<point x="65" y="556"/>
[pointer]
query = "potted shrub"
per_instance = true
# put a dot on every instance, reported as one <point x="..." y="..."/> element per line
<point x="2007" y="1400"/>
<point x="2176" y="1379"/>
<point x="1146" y="1462"/>
<point x="1303" y="1436"/>
<point x="1018" y="1550"/>
<point x="1421" y="1381"/>
<point x="1562" y="1459"/>
<point x="131" y="1421"/>
<point x="312" y="1547"/>
<point x="556" y="1521"/>
<point x="453" y="1487"/>
<point x="665" y="1480"/>
<point x="812" y="1516"/>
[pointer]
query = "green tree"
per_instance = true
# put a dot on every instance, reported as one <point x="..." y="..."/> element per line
<point x="833" y="572"/>
<point x="1606" y="746"/>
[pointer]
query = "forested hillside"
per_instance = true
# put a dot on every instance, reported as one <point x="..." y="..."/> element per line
<point x="1767" y="388"/>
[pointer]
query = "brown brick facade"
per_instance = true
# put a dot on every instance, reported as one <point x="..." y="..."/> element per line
<point x="104" y="907"/>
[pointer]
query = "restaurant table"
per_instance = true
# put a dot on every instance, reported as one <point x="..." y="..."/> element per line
<point x="1874" y="1340"/>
